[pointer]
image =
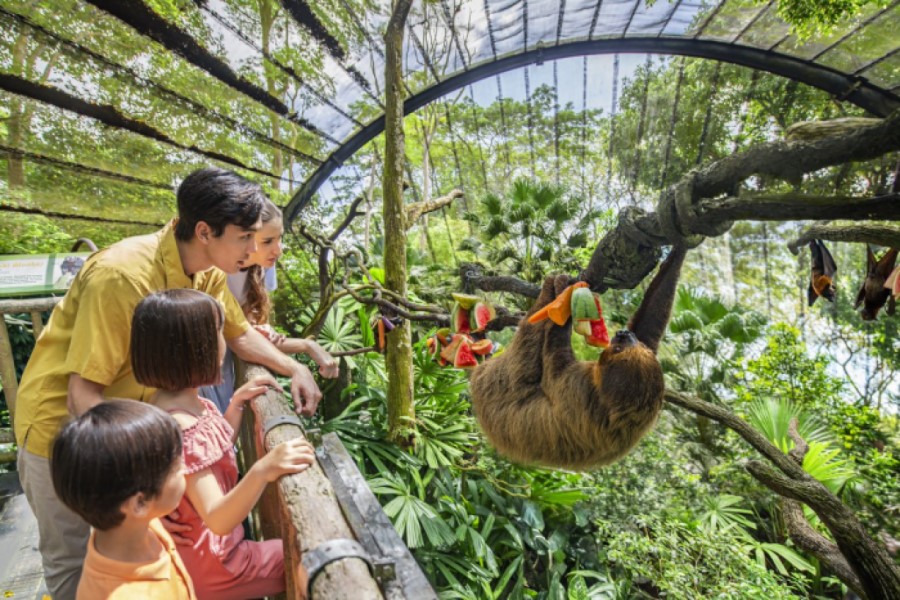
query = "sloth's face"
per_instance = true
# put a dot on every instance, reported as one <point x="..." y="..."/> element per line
<point x="625" y="348"/>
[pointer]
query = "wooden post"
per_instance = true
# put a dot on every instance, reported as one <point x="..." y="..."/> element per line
<point x="8" y="369"/>
<point x="35" y="306"/>
<point x="37" y="325"/>
<point x="307" y="511"/>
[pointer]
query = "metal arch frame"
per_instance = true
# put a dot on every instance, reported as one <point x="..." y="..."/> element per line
<point x="854" y="89"/>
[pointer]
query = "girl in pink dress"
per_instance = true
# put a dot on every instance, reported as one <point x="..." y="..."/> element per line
<point x="177" y="346"/>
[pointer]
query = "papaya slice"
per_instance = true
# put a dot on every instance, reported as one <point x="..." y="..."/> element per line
<point x="449" y="352"/>
<point x="482" y="347"/>
<point x="560" y="308"/>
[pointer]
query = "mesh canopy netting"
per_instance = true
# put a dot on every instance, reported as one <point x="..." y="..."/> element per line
<point x="140" y="93"/>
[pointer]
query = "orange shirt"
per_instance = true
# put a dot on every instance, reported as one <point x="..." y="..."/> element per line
<point x="164" y="579"/>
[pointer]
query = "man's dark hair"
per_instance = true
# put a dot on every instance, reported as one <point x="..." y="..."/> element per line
<point x="175" y="340"/>
<point x="110" y="453"/>
<point x="218" y="198"/>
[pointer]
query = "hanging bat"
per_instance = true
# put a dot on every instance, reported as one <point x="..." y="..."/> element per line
<point x="872" y="295"/>
<point x="821" y="282"/>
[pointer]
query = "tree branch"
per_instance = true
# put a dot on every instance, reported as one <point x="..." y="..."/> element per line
<point x="878" y="576"/>
<point x="868" y="233"/>
<point x="417" y="209"/>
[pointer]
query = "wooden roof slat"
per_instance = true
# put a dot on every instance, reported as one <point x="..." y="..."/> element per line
<point x="110" y="115"/>
<point x="146" y="21"/>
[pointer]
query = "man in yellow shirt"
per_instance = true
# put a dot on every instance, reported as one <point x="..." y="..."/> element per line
<point x="83" y="354"/>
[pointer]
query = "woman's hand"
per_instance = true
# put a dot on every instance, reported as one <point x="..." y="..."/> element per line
<point x="292" y="456"/>
<point x="253" y="388"/>
<point x="328" y="367"/>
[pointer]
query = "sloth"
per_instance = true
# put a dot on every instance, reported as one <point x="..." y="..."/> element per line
<point x="540" y="406"/>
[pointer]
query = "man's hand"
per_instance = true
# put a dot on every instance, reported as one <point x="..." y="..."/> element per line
<point x="304" y="390"/>
<point x="175" y="529"/>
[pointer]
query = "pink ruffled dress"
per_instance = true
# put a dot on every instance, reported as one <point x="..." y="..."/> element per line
<point x="223" y="567"/>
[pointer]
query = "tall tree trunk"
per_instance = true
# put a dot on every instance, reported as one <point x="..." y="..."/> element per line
<point x="17" y="123"/>
<point x="267" y="13"/>
<point x="400" y="399"/>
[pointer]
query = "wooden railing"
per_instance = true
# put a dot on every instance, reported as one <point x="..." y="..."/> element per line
<point x="34" y="307"/>
<point x="333" y="528"/>
<point x="327" y="516"/>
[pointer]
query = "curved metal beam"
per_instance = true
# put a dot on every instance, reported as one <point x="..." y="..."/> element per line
<point x="852" y="88"/>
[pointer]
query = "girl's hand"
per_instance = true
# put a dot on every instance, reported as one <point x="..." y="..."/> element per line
<point x="328" y="367"/>
<point x="253" y="388"/>
<point x="270" y="334"/>
<point x="292" y="456"/>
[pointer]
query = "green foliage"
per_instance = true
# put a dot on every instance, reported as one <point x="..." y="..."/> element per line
<point x="809" y="17"/>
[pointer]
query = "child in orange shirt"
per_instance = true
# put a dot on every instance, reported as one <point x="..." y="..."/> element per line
<point x="119" y="466"/>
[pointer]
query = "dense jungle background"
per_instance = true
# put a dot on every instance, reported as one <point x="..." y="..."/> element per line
<point x="542" y="180"/>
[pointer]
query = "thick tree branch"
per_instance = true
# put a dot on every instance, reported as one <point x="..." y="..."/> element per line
<point x="813" y="542"/>
<point x="867" y="233"/>
<point x="877" y="574"/>
<point x="691" y="209"/>
<point x="789" y="207"/>
<point x="417" y="209"/>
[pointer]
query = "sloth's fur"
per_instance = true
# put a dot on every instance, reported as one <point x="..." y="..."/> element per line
<point x="538" y="405"/>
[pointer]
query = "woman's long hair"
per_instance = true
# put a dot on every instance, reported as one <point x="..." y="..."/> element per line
<point x="257" y="305"/>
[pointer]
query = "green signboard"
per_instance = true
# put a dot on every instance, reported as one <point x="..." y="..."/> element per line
<point x="39" y="274"/>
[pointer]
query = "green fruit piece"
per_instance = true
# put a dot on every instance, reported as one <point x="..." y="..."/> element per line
<point x="459" y="321"/>
<point x="481" y="315"/>
<point x="583" y="327"/>
<point x="443" y="335"/>
<point x="465" y="358"/>
<point x="467" y="301"/>
<point x="584" y="308"/>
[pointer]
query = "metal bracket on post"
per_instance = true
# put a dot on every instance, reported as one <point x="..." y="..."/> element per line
<point x="280" y="420"/>
<point x="315" y="561"/>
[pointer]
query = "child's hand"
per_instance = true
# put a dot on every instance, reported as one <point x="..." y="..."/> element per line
<point x="292" y="456"/>
<point x="253" y="388"/>
<point x="270" y="334"/>
<point x="328" y="367"/>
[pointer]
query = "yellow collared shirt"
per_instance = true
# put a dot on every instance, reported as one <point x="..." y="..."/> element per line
<point x="89" y="331"/>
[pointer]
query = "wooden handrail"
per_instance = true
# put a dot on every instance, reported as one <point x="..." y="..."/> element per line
<point x="304" y="511"/>
<point x="34" y="306"/>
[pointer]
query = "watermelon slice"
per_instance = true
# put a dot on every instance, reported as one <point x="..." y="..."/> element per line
<point x="481" y="315"/>
<point x="465" y="358"/>
<point x="584" y="305"/>
<point x="459" y="321"/>
<point x="599" y="335"/>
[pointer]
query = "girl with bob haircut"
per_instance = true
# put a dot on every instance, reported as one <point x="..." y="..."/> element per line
<point x="177" y="345"/>
<point x="251" y="287"/>
<point x="119" y="467"/>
